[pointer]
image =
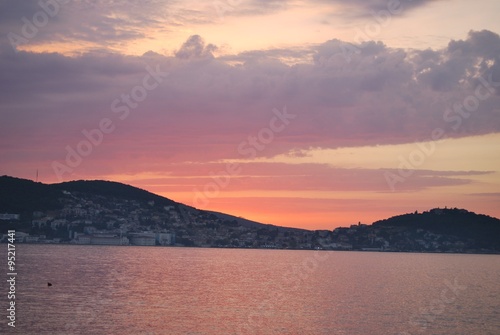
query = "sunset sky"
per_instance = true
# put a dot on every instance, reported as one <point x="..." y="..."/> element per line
<point x="311" y="114"/>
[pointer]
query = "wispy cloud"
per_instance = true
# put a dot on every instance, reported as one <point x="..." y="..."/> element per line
<point x="98" y="24"/>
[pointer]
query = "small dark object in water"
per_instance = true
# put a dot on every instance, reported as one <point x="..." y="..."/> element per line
<point x="49" y="284"/>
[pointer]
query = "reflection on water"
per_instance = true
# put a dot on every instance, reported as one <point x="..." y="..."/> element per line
<point x="158" y="290"/>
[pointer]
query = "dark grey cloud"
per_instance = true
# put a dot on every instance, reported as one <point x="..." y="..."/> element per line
<point x="369" y="8"/>
<point x="356" y="9"/>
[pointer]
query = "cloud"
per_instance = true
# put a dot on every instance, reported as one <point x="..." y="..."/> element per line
<point x="366" y="7"/>
<point x="208" y="106"/>
<point x="363" y="9"/>
<point x="492" y="194"/>
<point x="108" y="24"/>
<point x="98" y="23"/>
<point x="462" y="62"/>
<point x="195" y="47"/>
<point x="358" y="9"/>
<point x="303" y="178"/>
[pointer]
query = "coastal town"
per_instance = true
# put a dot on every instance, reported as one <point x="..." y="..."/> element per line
<point x="100" y="220"/>
<point x="102" y="215"/>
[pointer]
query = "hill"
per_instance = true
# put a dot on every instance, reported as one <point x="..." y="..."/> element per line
<point x="98" y="208"/>
<point x="104" y="212"/>
<point x="476" y="230"/>
<point x="437" y="230"/>
<point x="21" y="195"/>
<point x="25" y="196"/>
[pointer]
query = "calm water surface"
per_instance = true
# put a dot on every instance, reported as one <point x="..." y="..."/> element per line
<point x="158" y="290"/>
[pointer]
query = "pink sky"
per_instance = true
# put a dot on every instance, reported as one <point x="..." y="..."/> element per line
<point x="306" y="114"/>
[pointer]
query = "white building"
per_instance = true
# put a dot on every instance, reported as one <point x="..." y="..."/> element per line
<point x="142" y="240"/>
<point x="109" y="240"/>
<point x="31" y="239"/>
<point x="82" y="239"/>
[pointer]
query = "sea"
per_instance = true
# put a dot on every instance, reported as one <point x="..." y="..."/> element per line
<point x="197" y="291"/>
